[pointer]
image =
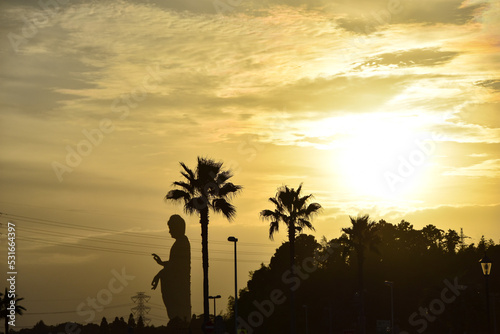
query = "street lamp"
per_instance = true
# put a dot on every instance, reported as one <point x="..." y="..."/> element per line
<point x="486" y="267"/>
<point x="214" y="298"/>
<point x="235" y="240"/>
<point x="390" y="284"/>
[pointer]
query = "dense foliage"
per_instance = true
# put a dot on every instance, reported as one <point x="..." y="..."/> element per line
<point x="437" y="280"/>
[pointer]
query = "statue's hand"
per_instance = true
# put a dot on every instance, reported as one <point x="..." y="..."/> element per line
<point x="157" y="258"/>
<point x="154" y="284"/>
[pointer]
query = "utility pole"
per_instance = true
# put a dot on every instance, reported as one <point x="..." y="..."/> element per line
<point x="141" y="310"/>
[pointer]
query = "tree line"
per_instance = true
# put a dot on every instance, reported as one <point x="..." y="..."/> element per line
<point x="344" y="283"/>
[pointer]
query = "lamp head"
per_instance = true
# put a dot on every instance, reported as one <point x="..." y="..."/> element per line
<point x="485" y="265"/>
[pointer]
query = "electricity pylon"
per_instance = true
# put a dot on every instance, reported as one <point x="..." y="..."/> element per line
<point x="141" y="310"/>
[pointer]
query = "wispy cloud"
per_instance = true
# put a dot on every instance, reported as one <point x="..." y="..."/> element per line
<point x="487" y="168"/>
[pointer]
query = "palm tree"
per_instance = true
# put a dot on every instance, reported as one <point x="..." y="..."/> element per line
<point x="293" y="210"/>
<point x="362" y="234"/>
<point x="5" y="303"/>
<point x="205" y="188"/>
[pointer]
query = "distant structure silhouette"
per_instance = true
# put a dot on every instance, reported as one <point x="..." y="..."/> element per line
<point x="141" y="310"/>
<point x="175" y="277"/>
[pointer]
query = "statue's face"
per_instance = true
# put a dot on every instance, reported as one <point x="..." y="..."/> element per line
<point x="173" y="232"/>
<point x="176" y="227"/>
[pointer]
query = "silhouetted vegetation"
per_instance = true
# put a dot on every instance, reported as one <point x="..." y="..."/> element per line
<point x="294" y="211"/>
<point x="9" y="304"/>
<point x="421" y="263"/>
<point x="357" y="238"/>
<point x="118" y="326"/>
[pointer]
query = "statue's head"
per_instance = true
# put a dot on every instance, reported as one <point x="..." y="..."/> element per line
<point x="177" y="226"/>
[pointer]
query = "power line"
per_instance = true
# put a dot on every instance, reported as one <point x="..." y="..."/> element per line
<point x="74" y="226"/>
<point x="89" y="238"/>
<point x="64" y="312"/>
<point x="122" y="242"/>
<point x="94" y="229"/>
<point x="117" y="242"/>
<point x="122" y="251"/>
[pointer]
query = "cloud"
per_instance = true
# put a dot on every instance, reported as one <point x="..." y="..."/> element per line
<point x="487" y="168"/>
<point x="368" y="16"/>
<point x="493" y="84"/>
<point x="411" y="58"/>
<point x="334" y="94"/>
<point x="439" y="11"/>
<point x="484" y="114"/>
<point x="358" y="25"/>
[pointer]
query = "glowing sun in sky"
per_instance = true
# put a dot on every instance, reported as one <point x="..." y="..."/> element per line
<point x="383" y="158"/>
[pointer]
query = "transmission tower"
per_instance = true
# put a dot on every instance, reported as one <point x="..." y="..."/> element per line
<point x="141" y="310"/>
<point x="462" y="239"/>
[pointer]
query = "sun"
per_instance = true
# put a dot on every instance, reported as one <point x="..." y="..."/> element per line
<point x="382" y="157"/>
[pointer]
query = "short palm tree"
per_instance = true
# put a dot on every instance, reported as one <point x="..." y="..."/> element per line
<point x="292" y="209"/>
<point x="362" y="234"/>
<point x="5" y="303"/>
<point x="205" y="188"/>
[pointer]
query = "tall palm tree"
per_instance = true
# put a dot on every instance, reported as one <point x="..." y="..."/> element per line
<point x="292" y="209"/>
<point x="361" y="235"/>
<point x="4" y="312"/>
<point x="205" y="188"/>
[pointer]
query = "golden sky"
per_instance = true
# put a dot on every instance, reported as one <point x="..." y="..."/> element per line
<point x="386" y="107"/>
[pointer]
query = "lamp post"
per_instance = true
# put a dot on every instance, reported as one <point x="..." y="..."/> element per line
<point x="214" y="298"/>
<point x="390" y="284"/>
<point x="486" y="267"/>
<point x="235" y="240"/>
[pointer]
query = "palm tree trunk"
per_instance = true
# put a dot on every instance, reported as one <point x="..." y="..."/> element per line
<point x="291" y="239"/>
<point x="204" y="252"/>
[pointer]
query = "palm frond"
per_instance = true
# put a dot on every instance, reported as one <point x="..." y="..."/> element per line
<point x="229" y="189"/>
<point x="277" y="203"/>
<point x="196" y="204"/>
<point x="269" y="214"/>
<point x="299" y="189"/>
<point x="189" y="173"/>
<point x="177" y="194"/>
<point x="223" y="176"/>
<point x="188" y="187"/>
<point x="273" y="228"/>
<point x="208" y="169"/>
<point x="224" y="207"/>
<point x="301" y="201"/>
<point x="305" y="223"/>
